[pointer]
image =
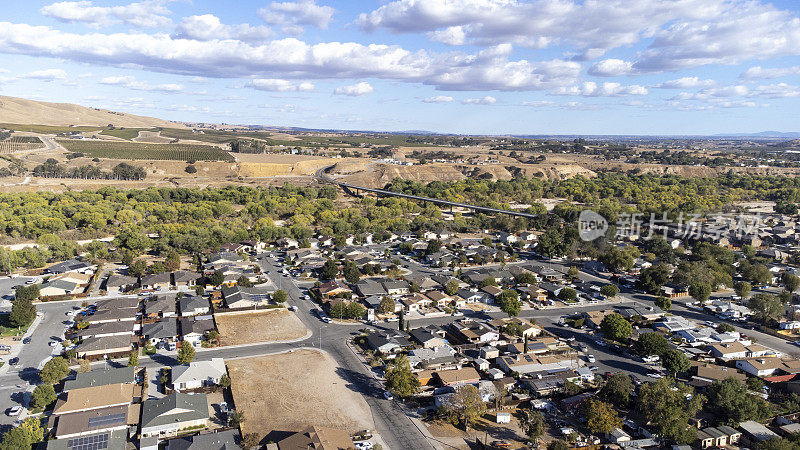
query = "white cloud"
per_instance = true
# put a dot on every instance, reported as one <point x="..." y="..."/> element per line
<point x="591" y="26"/>
<point x="592" y="89"/>
<point x="278" y="85"/>
<point x="449" y="36"/>
<point x="131" y="83"/>
<point x="538" y="103"/>
<point x="438" y="99"/>
<point x="777" y="72"/>
<point x="490" y="69"/>
<point x="296" y="14"/>
<point x="356" y="90"/>
<point x="488" y="100"/>
<point x="208" y="27"/>
<point x="46" y="75"/>
<point x="779" y="90"/>
<point x="611" y="68"/>
<point x="146" y="14"/>
<point x="685" y="83"/>
<point x="720" y="92"/>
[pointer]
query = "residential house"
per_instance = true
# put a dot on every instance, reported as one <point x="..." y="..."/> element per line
<point x="58" y="288"/>
<point x="704" y="374"/>
<point x="80" y="279"/>
<point x="736" y="350"/>
<point x="192" y="305"/>
<point x="194" y="328"/>
<point x="471" y="332"/>
<point x="765" y="366"/>
<point x="118" y="284"/>
<point x="160" y="306"/>
<point x="166" y="416"/>
<point x="183" y="278"/>
<point x="439" y="298"/>
<point x="437" y="358"/>
<point x="416" y="302"/>
<point x="333" y="288"/>
<point x="318" y="438"/>
<point x="458" y="377"/>
<point x="107" y="329"/>
<point x="754" y="433"/>
<point x="241" y="297"/>
<point x="429" y="337"/>
<point x="525" y="363"/>
<point x="396" y="287"/>
<point x="72" y="265"/>
<point x="388" y="342"/>
<point x="95" y="397"/>
<point x="198" y="374"/>
<point x="369" y="287"/>
<point x="221" y="440"/>
<point x="104" y="346"/>
<point x="112" y="419"/>
<point x="101" y="377"/>
<point x="157" y="281"/>
<point x="161" y="332"/>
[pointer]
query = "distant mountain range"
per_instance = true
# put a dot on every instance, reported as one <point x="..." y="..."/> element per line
<point x="765" y="134"/>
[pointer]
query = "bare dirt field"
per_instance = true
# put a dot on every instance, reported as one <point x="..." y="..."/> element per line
<point x="290" y="391"/>
<point x="267" y="326"/>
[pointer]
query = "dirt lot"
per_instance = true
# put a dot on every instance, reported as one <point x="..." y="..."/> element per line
<point x="290" y="391"/>
<point x="268" y="326"/>
<point x="485" y="428"/>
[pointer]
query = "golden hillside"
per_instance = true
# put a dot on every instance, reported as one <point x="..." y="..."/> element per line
<point x="23" y="111"/>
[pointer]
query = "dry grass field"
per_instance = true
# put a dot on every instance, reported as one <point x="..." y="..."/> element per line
<point x="290" y="391"/>
<point x="267" y="326"/>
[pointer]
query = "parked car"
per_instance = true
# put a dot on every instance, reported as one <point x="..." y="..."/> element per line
<point x="27" y="340"/>
<point x="223" y="408"/>
<point x="591" y="358"/>
<point x="14" y="411"/>
<point x="293" y="308"/>
<point x="13" y="361"/>
<point x="388" y="395"/>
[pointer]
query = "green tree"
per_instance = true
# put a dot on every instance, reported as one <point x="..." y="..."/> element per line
<point x="665" y="303"/>
<point x="616" y="327"/>
<point x="54" y="370"/>
<point x="609" y="290"/>
<point x="601" y="418"/>
<point x="329" y="270"/>
<point x="669" y="405"/>
<point x="509" y="302"/>
<point x="24" y="435"/>
<point x="567" y="294"/>
<point x="790" y="281"/>
<point x="675" y="361"/>
<point x="217" y="278"/>
<point x="652" y="344"/>
<point x="488" y="281"/>
<point x="243" y="281"/>
<point x="386" y="306"/>
<point x="777" y="443"/>
<point x="558" y="444"/>
<point x="451" y="287"/>
<point x="742" y="289"/>
<point x="27" y="292"/>
<point x="533" y="424"/>
<point x="43" y="395"/>
<point x="700" y="291"/>
<point x="765" y="307"/>
<point x="137" y="268"/>
<point x="400" y="381"/>
<point x="185" y="353"/>
<point x="280" y="296"/>
<point x="172" y="262"/>
<point x="355" y="310"/>
<point x="133" y="358"/>
<point x="652" y="278"/>
<point x="199" y="290"/>
<point x="224" y="381"/>
<point x="338" y="310"/>
<point x="434" y="245"/>
<point x="730" y="403"/>
<point x="551" y="243"/>
<point x="618" y="389"/>
<point x="725" y="328"/>
<point x="465" y="405"/>
<point x="573" y="272"/>
<point x="351" y="273"/>
<point x="236" y="419"/>
<point x="22" y="313"/>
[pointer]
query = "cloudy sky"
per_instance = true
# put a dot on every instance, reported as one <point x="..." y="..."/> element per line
<point x="461" y="66"/>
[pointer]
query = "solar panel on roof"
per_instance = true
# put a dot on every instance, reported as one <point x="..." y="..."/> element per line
<point x="111" y="419"/>
<point x="96" y="442"/>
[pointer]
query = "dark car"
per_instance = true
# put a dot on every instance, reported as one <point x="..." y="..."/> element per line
<point x="27" y="340"/>
<point x="13" y="361"/>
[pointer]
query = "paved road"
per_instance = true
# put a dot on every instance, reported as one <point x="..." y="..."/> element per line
<point x="31" y="357"/>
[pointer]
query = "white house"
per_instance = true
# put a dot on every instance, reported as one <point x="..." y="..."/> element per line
<point x="198" y="374"/>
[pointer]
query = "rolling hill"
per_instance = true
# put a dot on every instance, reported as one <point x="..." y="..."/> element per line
<point x="32" y="112"/>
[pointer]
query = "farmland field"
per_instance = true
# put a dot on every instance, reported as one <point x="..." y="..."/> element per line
<point x="124" y="133"/>
<point x="125" y="150"/>
<point x="19" y="143"/>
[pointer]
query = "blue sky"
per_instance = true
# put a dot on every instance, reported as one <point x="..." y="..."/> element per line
<point x="455" y="66"/>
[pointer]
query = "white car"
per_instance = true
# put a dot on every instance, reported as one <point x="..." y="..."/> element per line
<point x="293" y="308"/>
<point x="53" y="343"/>
<point x="366" y="445"/>
<point x="14" y="411"/>
<point x="591" y="358"/>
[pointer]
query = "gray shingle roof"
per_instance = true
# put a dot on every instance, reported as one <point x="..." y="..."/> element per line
<point x="101" y="378"/>
<point x="174" y="408"/>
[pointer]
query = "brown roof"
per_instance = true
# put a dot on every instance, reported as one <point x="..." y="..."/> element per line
<point x="463" y="375"/>
<point x="86" y="421"/>
<point x="317" y="438"/>
<point x="715" y="372"/>
<point x="95" y="397"/>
